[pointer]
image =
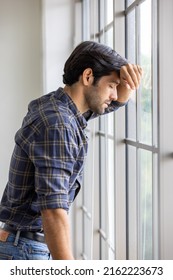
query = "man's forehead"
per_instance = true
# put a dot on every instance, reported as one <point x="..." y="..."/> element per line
<point x="114" y="77"/>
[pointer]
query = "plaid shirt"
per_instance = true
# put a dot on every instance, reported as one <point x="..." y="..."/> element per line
<point x="47" y="162"/>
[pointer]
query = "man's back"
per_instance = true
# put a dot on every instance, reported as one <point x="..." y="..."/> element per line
<point x="47" y="162"/>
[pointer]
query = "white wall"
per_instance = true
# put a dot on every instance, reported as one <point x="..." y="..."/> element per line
<point x="36" y="39"/>
<point x="58" y="25"/>
<point x="20" y="70"/>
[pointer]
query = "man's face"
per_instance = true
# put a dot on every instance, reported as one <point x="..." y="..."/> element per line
<point x="99" y="96"/>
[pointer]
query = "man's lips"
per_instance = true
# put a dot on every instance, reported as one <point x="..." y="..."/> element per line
<point x="108" y="103"/>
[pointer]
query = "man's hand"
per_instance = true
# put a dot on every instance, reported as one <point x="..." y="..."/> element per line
<point x="130" y="78"/>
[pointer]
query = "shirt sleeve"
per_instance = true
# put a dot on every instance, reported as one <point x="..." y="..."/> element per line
<point x="115" y="105"/>
<point x="53" y="155"/>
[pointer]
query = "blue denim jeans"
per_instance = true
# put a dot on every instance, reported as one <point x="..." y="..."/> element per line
<point x="23" y="249"/>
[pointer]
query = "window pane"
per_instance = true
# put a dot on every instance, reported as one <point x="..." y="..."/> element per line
<point x="87" y="233"/>
<point x="145" y="209"/>
<point x="111" y="118"/>
<point x="103" y="195"/>
<point x="145" y="61"/>
<point x="131" y="36"/>
<point x="109" y="37"/>
<point x="129" y="2"/>
<point x="86" y="197"/>
<point x="107" y="198"/>
<point x="93" y="18"/>
<point x="110" y="197"/>
<point x="132" y="203"/>
<point x="109" y="11"/>
<point x="131" y="55"/>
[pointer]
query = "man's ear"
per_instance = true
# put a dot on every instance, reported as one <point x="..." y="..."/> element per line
<point x="87" y="77"/>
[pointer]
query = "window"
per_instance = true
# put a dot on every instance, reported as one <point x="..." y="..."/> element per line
<point x="96" y="204"/>
<point x="116" y="211"/>
<point x="142" y="132"/>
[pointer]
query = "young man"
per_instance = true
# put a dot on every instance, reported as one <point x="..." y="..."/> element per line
<point x="47" y="163"/>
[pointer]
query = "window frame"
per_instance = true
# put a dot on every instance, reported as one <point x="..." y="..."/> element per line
<point x="140" y="146"/>
<point x="98" y="239"/>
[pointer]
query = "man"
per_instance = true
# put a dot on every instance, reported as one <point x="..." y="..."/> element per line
<point x="47" y="163"/>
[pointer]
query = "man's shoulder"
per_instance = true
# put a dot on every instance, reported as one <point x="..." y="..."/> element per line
<point x="49" y="109"/>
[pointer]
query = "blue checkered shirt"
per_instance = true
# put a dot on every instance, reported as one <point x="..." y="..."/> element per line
<point x="47" y="162"/>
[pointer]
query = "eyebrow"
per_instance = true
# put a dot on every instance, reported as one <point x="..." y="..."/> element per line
<point x="115" y="81"/>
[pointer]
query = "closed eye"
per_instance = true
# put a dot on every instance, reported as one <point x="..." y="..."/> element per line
<point x="112" y="86"/>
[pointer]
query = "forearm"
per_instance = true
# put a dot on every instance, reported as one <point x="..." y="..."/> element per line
<point x="130" y="77"/>
<point x="57" y="233"/>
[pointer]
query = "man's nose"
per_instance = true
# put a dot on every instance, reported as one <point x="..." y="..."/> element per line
<point x="114" y="95"/>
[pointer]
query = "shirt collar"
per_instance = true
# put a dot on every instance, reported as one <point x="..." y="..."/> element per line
<point x="65" y="98"/>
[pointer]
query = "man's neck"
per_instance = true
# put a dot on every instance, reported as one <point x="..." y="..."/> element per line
<point x="76" y="94"/>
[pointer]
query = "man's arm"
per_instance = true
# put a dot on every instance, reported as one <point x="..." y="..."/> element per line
<point x="130" y="78"/>
<point x="57" y="233"/>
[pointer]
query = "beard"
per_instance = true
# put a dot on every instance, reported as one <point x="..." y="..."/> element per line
<point x="94" y="102"/>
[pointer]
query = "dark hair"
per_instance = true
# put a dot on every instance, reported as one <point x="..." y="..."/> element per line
<point x="100" y="58"/>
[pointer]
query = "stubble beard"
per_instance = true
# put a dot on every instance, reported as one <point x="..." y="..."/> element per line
<point x="94" y="101"/>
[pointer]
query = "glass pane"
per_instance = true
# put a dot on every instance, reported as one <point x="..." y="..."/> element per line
<point x="93" y="18"/>
<point x="145" y="61"/>
<point x="131" y="36"/>
<point x="102" y="16"/>
<point x="86" y="197"/>
<point x="109" y="37"/>
<point x="102" y="123"/>
<point x="103" y="194"/>
<point x="131" y="55"/>
<point x="145" y="205"/>
<point x="110" y="197"/>
<point x="106" y="124"/>
<point x="107" y="197"/>
<point x="86" y="19"/>
<point x="87" y="227"/>
<point x="109" y="11"/>
<point x="132" y="203"/>
<point x="129" y="2"/>
<point x="87" y="179"/>
<point x="111" y="123"/>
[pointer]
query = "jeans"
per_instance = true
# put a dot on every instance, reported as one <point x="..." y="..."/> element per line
<point x="23" y="249"/>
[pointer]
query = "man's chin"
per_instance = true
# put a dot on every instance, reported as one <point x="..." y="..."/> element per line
<point x="100" y="112"/>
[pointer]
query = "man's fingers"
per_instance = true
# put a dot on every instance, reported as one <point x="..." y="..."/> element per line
<point x="131" y="75"/>
<point x="137" y="70"/>
<point x="140" y="69"/>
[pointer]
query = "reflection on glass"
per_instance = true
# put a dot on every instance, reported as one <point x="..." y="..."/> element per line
<point x="145" y="61"/>
<point x="145" y="217"/>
